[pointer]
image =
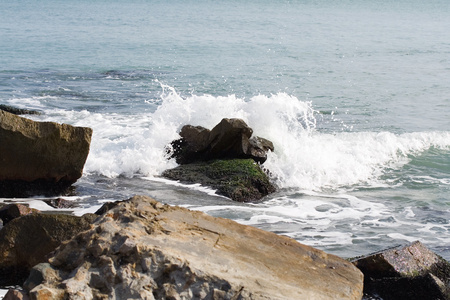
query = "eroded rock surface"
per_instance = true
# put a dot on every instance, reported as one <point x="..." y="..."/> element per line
<point x="142" y="249"/>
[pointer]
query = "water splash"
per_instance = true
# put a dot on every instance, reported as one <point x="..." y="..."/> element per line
<point x="304" y="158"/>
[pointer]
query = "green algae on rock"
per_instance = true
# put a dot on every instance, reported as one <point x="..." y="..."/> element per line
<point x="241" y="180"/>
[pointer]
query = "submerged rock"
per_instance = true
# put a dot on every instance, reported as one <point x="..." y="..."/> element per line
<point x="60" y="203"/>
<point x="406" y="272"/>
<point x="241" y="180"/>
<point x="40" y="157"/>
<point x="18" y="111"/>
<point x="231" y="138"/>
<point x="27" y="240"/>
<point x="142" y="249"/>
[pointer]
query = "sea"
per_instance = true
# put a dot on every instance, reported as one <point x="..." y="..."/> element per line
<point x="354" y="94"/>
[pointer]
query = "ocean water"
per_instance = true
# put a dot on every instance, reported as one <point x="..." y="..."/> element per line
<point x="355" y="96"/>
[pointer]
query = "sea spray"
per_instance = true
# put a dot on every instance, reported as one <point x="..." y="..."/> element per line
<point x="322" y="160"/>
<point x="304" y="157"/>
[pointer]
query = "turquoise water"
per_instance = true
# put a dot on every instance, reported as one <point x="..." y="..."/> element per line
<point x="354" y="95"/>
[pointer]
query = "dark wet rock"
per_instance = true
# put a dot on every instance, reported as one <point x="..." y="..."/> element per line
<point x="12" y="211"/>
<point x="142" y="249"/>
<point x="224" y="159"/>
<point x="18" y="111"/>
<point x="60" y="203"/>
<point x="44" y="187"/>
<point x="40" y="157"/>
<point x="231" y="138"/>
<point x="405" y="272"/>
<point x="241" y="180"/>
<point x="26" y="241"/>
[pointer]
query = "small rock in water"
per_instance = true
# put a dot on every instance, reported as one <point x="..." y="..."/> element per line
<point x="60" y="203"/>
<point x="231" y="138"/>
<point x="225" y="158"/>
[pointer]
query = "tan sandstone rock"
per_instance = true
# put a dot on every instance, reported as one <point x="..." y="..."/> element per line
<point x="44" y="152"/>
<point x="142" y="249"/>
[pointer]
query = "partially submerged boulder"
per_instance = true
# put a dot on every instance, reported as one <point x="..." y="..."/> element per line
<point x="406" y="272"/>
<point x="142" y="249"/>
<point x="231" y="138"/>
<point x="241" y="180"/>
<point x="27" y="240"/>
<point x="40" y="157"/>
<point x="225" y="158"/>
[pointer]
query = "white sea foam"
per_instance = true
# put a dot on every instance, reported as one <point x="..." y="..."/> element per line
<point x="195" y="186"/>
<point x="304" y="158"/>
<point x="30" y="102"/>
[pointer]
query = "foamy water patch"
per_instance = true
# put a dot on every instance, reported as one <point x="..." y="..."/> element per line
<point x="320" y="160"/>
<point x="320" y="211"/>
<point x="36" y="102"/>
<point x="196" y="186"/>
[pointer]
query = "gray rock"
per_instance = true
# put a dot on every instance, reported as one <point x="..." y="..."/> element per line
<point x="40" y="157"/>
<point x="406" y="272"/>
<point x="141" y="249"/>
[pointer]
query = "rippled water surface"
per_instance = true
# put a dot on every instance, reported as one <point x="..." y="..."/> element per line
<point x="354" y="96"/>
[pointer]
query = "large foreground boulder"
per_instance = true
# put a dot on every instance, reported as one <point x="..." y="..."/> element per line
<point x="241" y="180"/>
<point x="40" y="157"/>
<point x="141" y="249"/>
<point x="231" y="138"/>
<point x="26" y="241"/>
<point x="406" y="272"/>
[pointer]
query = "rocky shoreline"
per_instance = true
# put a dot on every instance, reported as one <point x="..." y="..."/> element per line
<point x="142" y="249"/>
